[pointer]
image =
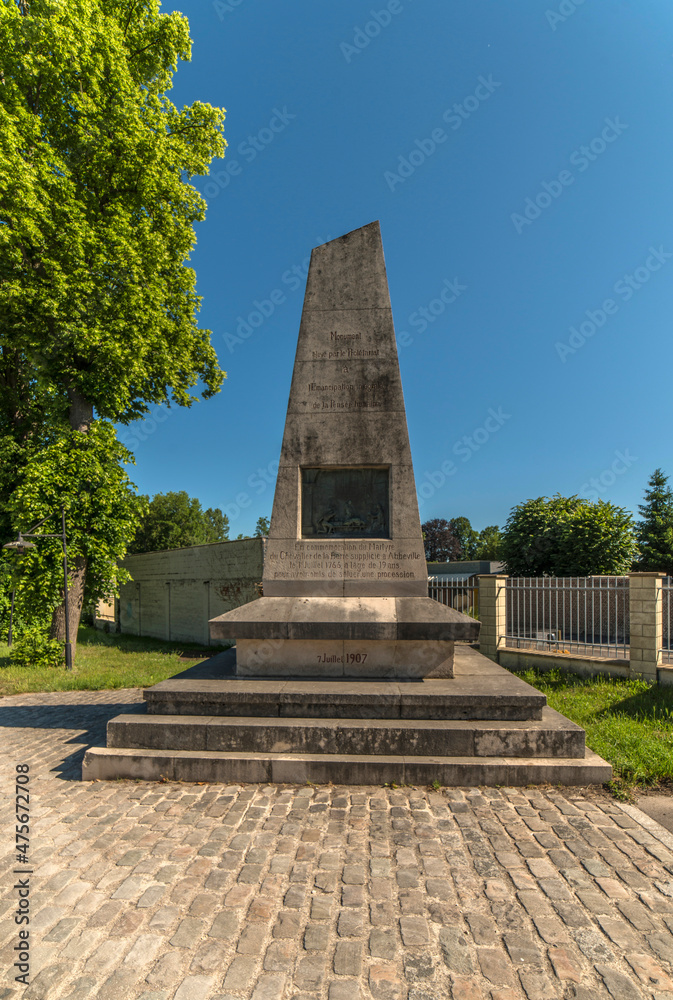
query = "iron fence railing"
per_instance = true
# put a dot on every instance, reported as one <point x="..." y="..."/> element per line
<point x="667" y="620"/>
<point x="584" y="615"/>
<point x="456" y="591"/>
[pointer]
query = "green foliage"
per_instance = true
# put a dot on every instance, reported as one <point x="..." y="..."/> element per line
<point x="465" y="536"/>
<point x="262" y="526"/>
<point x="96" y="215"/>
<point x="568" y="536"/>
<point x="34" y="649"/>
<point x="175" y="520"/>
<point x="488" y="544"/>
<point x="82" y="473"/>
<point x="655" y="531"/>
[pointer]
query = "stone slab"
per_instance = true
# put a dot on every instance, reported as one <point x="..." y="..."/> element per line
<point x="553" y="735"/>
<point x="479" y="689"/>
<point x="365" y="618"/>
<point x="338" y="658"/>
<point x="101" y="763"/>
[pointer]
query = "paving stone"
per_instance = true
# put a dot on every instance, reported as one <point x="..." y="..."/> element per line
<point x="225" y="925"/>
<point x="280" y="956"/>
<point x="348" y="989"/>
<point x="418" y="967"/>
<point x="310" y="972"/>
<point x="455" y="951"/>
<point x="414" y="931"/>
<point x="348" y="958"/>
<point x="619" y="986"/>
<point x="251" y="941"/>
<point x="195" y="988"/>
<point x="316" y="937"/>
<point x="494" y="966"/>
<point x="240" y="973"/>
<point x="384" y="983"/>
<point x="269" y="987"/>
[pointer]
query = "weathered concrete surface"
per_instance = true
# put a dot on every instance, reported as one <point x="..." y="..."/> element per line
<point x="345" y="530"/>
<point x="552" y="736"/>
<point x="173" y="594"/>
<point x="460" y="731"/>
<point x="145" y="891"/>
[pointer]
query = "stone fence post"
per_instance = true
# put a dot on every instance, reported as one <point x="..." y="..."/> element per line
<point x="645" y="614"/>
<point x="492" y="613"/>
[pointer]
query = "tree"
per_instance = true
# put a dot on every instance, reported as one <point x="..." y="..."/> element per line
<point x="108" y="511"/>
<point x="466" y="537"/>
<point x="568" y="536"/>
<point x="98" y="310"/>
<point x="488" y="543"/>
<point x="655" y="531"/>
<point x="262" y="527"/>
<point x="439" y="540"/>
<point x="176" y="520"/>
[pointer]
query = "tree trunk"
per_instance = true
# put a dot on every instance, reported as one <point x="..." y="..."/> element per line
<point x="80" y="416"/>
<point x="76" y="581"/>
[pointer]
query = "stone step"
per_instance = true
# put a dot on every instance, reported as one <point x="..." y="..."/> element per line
<point x="553" y="735"/>
<point x="105" y="763"/>
<point x="495" y="695"/>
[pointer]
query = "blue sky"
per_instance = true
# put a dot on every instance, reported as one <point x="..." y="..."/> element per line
<point x="518" y="155"/>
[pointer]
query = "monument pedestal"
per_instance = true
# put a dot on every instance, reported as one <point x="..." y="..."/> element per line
<point x="484" y="726"/>
<point x="402" y="637"/>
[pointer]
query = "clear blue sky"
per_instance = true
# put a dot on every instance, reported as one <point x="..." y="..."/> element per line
<point x="327" y="108"/>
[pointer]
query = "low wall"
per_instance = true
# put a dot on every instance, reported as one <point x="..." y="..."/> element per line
<point x="525" y="659"/>
<point x="174" y="593"/>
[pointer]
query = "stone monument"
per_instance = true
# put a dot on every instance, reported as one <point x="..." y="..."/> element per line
<point x="345" y="577"/>
<point x="344" y="670"/>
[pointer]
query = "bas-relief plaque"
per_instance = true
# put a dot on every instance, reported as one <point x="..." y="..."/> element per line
<point x="345" y="503"/>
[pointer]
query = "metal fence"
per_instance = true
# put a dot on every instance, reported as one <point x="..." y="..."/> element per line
<point x="583" y="615"/>
<point x="458" y="591"/>
<point x="667" y="619"/>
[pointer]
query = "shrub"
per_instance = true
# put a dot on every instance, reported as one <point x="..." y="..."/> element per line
<point x="34" y="649"/>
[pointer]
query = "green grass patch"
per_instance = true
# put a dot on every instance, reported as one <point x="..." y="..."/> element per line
<point x="628" y="722"/>
<point x="103" y="662"/>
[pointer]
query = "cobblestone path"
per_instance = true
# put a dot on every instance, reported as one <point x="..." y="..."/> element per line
<point x="228" y="892"/>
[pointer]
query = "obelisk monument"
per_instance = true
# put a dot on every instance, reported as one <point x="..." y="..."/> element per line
<point x="345" y="577"/>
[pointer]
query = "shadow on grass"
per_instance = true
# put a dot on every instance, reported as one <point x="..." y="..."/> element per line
<point x="88" y="636"/>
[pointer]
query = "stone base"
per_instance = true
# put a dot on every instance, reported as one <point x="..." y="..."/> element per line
<point x="101" y="763"/>
<point x="343" y="658"/>
<point x="483" y="727"/>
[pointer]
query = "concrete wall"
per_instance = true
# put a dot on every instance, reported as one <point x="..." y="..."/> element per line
<point x="174" y="593"/>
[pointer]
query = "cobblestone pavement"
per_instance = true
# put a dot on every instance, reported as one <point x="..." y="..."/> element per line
<point x="196" y="892"/>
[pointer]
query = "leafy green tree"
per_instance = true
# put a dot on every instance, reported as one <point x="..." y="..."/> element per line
<point x="466" y="537"/>
<point x="106" y="511"/>
<point x="655" y="531"/>
<point x="568" y="536"/>
<point x="488" y="544"/>
<point x="98" y="310"/>
<point x="175" y="520"/>
<point x="262" y="526"/>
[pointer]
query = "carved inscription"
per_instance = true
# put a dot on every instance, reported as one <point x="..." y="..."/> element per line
<point x="339" y="351"/>
<point x="363" y="560"/>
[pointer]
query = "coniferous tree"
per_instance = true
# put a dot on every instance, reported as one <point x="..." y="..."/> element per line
<point x="655" y="531"/>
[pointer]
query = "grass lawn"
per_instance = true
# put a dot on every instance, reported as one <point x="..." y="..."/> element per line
<point x="102" y="662"/>
<point x="628" y="722"/>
